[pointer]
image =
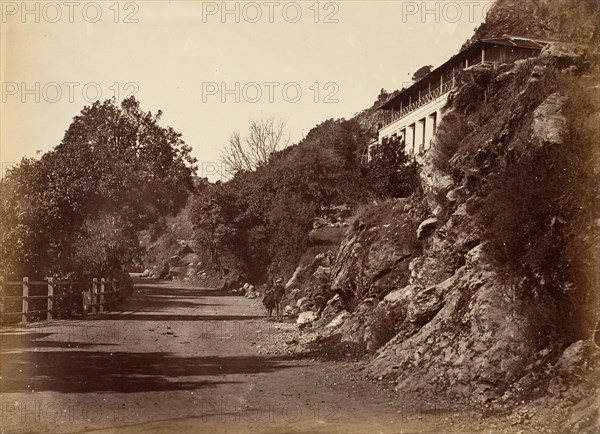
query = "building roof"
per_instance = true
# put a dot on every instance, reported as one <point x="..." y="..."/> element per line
<point x="506" y="40"/>
<point x="516" y="41"/>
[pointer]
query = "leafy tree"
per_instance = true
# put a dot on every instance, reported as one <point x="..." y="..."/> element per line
<point x="116" y="169"/>
<point x="391" y="173"/>
<point x="213" y="211"/>
<point x="422" y="72"/>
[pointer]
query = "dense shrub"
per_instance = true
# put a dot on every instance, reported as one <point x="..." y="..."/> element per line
<point x="391" y="173"/>
<point x="104" y="242"/>
<point x="452" y="130"/>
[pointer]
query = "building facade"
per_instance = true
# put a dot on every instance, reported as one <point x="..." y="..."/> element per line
<point x="413" y="115"/>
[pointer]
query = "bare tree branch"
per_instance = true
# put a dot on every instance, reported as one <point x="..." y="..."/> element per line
<point x="265" y="137"/>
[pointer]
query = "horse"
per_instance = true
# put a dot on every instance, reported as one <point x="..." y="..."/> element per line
<point x="269" y="302"/>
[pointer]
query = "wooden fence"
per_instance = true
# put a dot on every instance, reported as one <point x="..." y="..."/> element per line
<point x="54" y="297"/>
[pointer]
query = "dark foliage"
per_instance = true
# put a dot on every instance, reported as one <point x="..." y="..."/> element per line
<point x="82" y="205"/>
<point x="391" y="173"/>
<point x="422" y="72"/>
<point x="263" y="218"/>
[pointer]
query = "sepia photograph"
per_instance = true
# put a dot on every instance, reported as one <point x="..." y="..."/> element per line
<point x="302" y="216"/>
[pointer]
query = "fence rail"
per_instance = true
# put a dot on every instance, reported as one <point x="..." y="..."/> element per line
<point x="102" y="293"/>
<point x="434" y="94"/>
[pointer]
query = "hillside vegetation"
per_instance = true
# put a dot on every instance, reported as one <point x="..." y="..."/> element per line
<point x="470" y="272"/>
<point x="455" y="283"/>
<point x="258" y="223"/>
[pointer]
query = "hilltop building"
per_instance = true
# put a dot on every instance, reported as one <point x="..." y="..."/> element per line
<point x="412" y="116"/>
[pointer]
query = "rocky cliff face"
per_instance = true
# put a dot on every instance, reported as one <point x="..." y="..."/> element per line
<point x="459" y="325"/>
<point x="561" y="20"/>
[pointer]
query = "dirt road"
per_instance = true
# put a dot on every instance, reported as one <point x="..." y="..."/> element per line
<point x="180" y="359"/>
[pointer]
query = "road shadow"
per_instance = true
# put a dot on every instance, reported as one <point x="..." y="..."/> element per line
<point x="170" y="287"/>
<point x="137" y="316"/>
<point x="124" y="372"/>
<point x="166" y="297"/>
<point x="159" y="301"/>
<point x="28" y="340"/>
<point x="163" y="302"/>
<point x="60" y="358"/>
<point x="157" y="289"/>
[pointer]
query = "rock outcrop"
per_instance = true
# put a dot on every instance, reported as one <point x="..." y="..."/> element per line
<point x="413" y="275"/>
<point x="549" y="123"/>
<point x="456" y="337"/>
<point x="374" y="257"/>
<point x="313" y="273"/>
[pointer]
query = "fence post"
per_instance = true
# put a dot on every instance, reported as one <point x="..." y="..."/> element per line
<point x="107" y="293"/>
<point x="25" y="299"/>
<point x="94" y="294"/>
<point x="117" y="295"/>
<point x="1" y="295"/>
<point x="102" y="283"/>
<point x="50" y="298"/>
<point x="71" y="302"/>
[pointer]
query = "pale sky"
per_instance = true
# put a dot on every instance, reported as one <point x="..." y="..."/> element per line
<point x="183" y="56"/>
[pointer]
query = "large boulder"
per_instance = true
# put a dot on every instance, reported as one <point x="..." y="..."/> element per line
<point x="338" y="320"/>
<point x="564" y="55"/>
<point x="303" y="303"/>
<point x="575" y="362"/>
<point x="402" y="295"/>
<point x="312" y="272"/>
<point x="306" y="317"/>
<point x="549" y="123"/>
<point x="334" y="306"/>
